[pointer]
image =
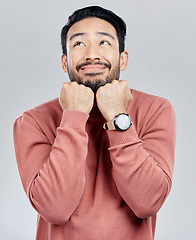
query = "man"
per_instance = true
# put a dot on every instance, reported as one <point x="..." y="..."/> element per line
<point x="96" y="163"/>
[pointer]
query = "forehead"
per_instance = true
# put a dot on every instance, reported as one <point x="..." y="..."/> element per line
<point x="92" y="25"/>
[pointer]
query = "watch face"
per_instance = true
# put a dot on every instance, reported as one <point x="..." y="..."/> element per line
<point x="123" y="121"/>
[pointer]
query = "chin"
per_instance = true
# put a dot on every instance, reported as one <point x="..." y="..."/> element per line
<point x="95" y="84"/>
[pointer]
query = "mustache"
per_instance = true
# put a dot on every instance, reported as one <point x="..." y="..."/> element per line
<point x="108" y="65"/>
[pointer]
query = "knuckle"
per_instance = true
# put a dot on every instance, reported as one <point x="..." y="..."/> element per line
<point x="64" y="84"/>
<point x="123" y="82"/>
<point x="104" y="88"/>
<point x="89" y="90"/>
<point x="82" y="86"/>
<point x="74" y="83"/>
<point x="115" y="81"/>
<point x="101" y="88"/>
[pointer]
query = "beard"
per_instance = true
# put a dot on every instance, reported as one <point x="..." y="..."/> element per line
<point x="94" y="79"/>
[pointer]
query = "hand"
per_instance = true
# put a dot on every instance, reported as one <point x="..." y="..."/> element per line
<point x="77" y="97"/>
<point x="113" y="98"/>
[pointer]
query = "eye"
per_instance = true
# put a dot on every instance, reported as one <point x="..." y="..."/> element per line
<point x="104" y="42"/>
<point x="78" y="44"/>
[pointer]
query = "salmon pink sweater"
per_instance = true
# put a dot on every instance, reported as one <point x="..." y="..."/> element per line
<point x="87" y="183"/>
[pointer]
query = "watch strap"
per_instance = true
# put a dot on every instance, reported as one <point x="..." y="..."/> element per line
<point x="109" y="125"/>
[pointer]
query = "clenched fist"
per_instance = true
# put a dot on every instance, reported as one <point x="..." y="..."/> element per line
<point x="113" y="98"/>
<point x="77" y="97"/>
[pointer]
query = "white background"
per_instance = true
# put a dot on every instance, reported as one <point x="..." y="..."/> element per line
<point x="161" y="41"/>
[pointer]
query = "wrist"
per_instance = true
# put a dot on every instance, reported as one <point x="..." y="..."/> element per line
<point x="111" y="116"/>
<point x="76" y="108"/>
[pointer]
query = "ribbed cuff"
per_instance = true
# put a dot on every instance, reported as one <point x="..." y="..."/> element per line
<point x="74" y="119"/>
<point x="121" y="137"/>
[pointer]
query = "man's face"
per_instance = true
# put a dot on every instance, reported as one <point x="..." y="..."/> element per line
<point x="93" y="57"/>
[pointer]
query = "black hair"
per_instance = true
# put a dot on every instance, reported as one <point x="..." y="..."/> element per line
<point x="98" y="12"/>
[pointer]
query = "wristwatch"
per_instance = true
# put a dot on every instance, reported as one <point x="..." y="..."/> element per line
<point x="121" y="122"/>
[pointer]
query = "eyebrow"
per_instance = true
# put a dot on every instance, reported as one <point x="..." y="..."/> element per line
<point x="106" y="34"/>
<point x="76" y="34"/>
<point x="99" y="33"/>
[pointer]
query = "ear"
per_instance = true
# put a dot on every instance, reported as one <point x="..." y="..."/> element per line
<point x="64" y="62"/>
<point x="124" y="56"/>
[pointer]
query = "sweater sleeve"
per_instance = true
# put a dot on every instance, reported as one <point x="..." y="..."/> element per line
<point x="52" y="175"/>
<point x="143" y="166"/>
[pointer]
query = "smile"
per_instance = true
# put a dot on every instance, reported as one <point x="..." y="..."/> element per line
<point x="93" y="68"/>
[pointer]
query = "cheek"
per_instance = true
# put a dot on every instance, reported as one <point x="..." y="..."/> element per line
<point x="115" y="61"/>
<point x="74" y="57"/>
<point x="111" y="56"/>
<point x="71" y="61"/>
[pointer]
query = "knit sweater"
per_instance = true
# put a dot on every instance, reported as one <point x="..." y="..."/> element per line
<point x="87" y="183"/>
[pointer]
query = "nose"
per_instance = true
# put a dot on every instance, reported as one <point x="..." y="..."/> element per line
<point x="92" y="53"/>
